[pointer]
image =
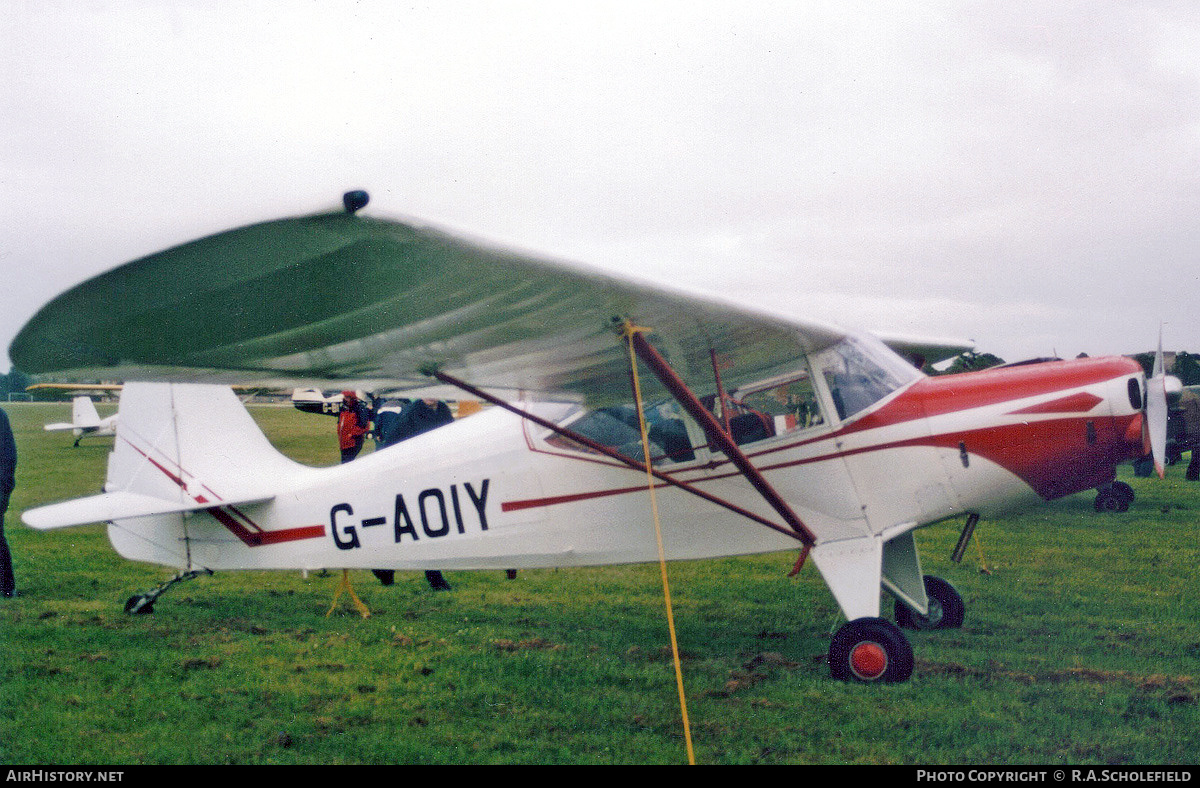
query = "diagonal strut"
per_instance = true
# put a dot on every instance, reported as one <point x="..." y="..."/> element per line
<point x="717" y="435"/>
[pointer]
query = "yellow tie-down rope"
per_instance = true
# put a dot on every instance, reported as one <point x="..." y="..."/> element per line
<point x="345" y="586"/>
<point x="983" y="567"/>
<point x="629" y="330"/>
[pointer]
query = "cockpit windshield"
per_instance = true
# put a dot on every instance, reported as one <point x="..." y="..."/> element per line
<point x="860" y="371"/>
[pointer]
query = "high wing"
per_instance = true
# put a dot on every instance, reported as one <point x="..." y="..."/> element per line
<point x="372" y="302"/>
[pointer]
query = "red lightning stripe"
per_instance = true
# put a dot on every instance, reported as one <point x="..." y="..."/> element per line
<point x="233" y="519"/>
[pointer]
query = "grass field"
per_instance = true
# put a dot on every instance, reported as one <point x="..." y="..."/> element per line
<point x="1081" y="646"/>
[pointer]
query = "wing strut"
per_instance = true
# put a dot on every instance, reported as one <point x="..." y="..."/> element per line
<point x="609" y="452"/>
<point x="716" y="434"/>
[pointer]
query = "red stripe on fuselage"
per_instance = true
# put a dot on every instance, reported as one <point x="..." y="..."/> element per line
<point x="259" y="537"/>
<point x="251" y="538"/>
<point x="535" y="503"/>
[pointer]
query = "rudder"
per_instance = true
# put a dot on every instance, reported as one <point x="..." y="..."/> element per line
<point x="83" y="413"/>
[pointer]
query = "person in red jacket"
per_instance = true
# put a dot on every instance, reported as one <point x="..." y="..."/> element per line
<point x="354" y="421"/>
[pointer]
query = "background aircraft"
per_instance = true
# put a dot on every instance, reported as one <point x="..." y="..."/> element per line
<point x="86" y="421"/>
<point x="752" y="431"/>
<point x="313" y="400"/>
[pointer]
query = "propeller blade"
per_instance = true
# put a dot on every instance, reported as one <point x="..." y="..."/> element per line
<point x="1156" y="411"/>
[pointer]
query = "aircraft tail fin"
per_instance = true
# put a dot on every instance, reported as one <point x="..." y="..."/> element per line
<point x="189" y="443"/>
<point x="179" y="448"/>
<point x="83" y="413"/>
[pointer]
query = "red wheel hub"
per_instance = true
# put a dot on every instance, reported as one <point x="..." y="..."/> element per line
<point x="868" y="660"/>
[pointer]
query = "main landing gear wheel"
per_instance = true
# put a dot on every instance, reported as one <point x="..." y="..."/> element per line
<point x="870" y="650"/>
<point x="946" y="608"/>
<point x="1116" y="497"/>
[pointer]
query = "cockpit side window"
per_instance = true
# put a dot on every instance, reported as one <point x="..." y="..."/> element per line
<point x="790" y="404"/>
<point x="860" y="372"/>
<point x="617" y="427"/>
<point x="857" y="372"/>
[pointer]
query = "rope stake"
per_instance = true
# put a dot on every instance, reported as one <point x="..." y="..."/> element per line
<point x="345" y="586"/>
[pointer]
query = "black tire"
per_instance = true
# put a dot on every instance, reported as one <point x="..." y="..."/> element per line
<point x="139" y="604"/>
<point x="1123" y="490"/>
<point x="1109" y="502"/>
<point x="870" y="651"/>
<point x="946" y="607"/>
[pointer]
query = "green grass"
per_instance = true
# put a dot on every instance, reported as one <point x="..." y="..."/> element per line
<point x="1081" y="646"/>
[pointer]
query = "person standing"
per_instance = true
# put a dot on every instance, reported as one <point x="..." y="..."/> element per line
<point x="8" y="467"/>
<point x="1189" y="405"/>
<point x="414" y="418"/>
<point x="354" y="421"/>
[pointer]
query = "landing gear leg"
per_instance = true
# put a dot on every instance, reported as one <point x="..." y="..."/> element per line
<point x="870" y="650"/>
<point x="143" y="603"/>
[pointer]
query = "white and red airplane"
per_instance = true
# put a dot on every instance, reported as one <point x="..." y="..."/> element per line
<point x="85" y="421"/>
<point x="766" y="433"/>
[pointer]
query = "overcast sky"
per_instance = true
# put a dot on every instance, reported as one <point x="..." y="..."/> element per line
<point x="1024" y="174"/>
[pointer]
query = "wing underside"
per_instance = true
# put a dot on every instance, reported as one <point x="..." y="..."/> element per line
<point x="373" y="302"/>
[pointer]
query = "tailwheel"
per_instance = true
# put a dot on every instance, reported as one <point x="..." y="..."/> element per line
<point x="140" y="604"/>
<point x="143" y="603"/>
<point x="946" y="608"/>
<point x="870" y="650"/>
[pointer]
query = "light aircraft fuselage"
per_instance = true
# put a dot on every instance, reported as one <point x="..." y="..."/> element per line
<point x="495" y="491"/>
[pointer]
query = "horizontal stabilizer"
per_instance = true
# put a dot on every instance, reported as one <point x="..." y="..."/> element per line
<point x="59" y="426"/>
<point x="116" y="506"/>
<point x="926" y="350"/>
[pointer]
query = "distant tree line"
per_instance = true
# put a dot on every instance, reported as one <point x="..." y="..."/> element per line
<point x="969" y="361"/>
<point x="1186" y="366"/>
<point x="15" y="382"/>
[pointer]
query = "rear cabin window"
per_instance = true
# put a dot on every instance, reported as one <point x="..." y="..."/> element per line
<point x="763" y="410"/>
<point x="617" y="428"/>
<point x="859" y="371"/>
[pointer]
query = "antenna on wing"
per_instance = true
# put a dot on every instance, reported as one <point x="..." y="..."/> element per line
<point x="355" y="200"/>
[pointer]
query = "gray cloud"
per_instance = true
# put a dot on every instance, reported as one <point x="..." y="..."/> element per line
<point x="1020" y="173"/>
